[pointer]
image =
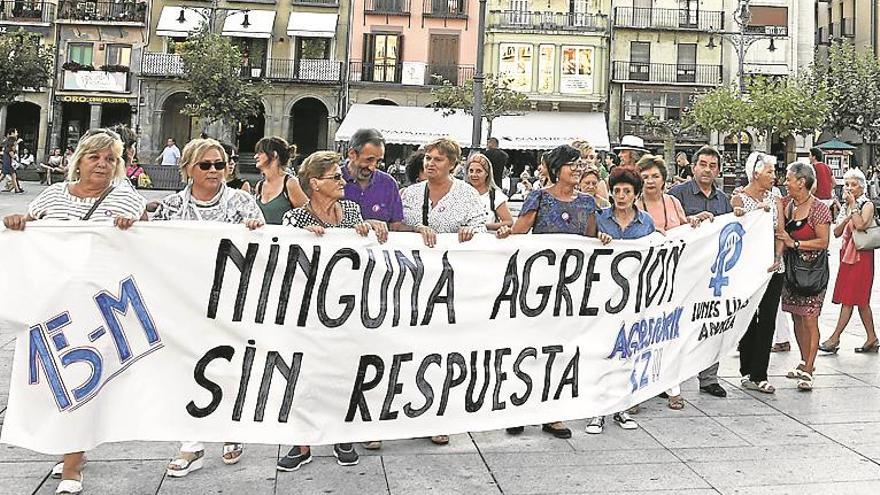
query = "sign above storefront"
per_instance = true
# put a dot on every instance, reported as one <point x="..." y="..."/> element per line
<point x="96" y="80"/>
<point x="41" y="30"/>
<point x="93" y="99"/>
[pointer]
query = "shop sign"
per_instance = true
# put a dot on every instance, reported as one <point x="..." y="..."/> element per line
<point x="96" y="80"/>
<point x="577" y="70"/>
<point x="92" y="99"/>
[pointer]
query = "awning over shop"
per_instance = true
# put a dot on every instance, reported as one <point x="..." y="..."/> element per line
<point x="406" y="125"/>
<point x="312" y="24"/>
<point x="546" y="130"/>
<point x="170" y="21"/>
<point x="836" y="145"/>
<point x="249" y="24"/>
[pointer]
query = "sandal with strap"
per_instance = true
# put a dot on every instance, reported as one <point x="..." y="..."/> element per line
<point x="182" y="466"/>
<point x="872" y="347"/>
<point x="440" y="439"/>
<point x="58" y="469"/>
<point x="805" y="382"/>
<point x="762" y="386"/>
<point x="781" y="347"/>
<point x="232" y="453"/>
<point x="675" y="402"/>
<point x="797" y="372"/>
<point x="70" y="487"/>
<point x="827" y="347"/>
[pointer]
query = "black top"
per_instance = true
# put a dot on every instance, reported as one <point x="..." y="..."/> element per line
<point x="499" y="160"/>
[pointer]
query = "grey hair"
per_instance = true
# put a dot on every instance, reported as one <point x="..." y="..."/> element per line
<point x="803" y="171"/>
<point x="758" y="158"/>
<point x="856" y="174"/>
<point x="363" y="137"/>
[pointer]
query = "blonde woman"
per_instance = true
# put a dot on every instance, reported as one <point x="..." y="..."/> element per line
<point x="90" y="193"/>
<point x="206" y="197"/>
<point x="480" y="176"/>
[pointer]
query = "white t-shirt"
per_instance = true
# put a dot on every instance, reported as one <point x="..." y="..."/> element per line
<point x="170" y="155"/>
<point x="500" y="199"/>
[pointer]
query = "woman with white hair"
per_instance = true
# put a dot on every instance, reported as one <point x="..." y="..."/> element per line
<point x="90" y="193"/>
<point x="759" y="194"/>
<point x="856" y="274"/>
<point x="805" y="234"/>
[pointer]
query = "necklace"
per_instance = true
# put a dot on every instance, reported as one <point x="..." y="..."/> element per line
<point x="797" y="205"/>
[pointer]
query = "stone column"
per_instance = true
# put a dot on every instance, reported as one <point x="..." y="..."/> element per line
<point x="41" y="152"/>
<point x="3" y="120"/>
<point x="94" y="115"/>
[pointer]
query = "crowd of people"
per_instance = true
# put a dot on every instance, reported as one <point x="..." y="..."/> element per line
<point x="626" y="195"/>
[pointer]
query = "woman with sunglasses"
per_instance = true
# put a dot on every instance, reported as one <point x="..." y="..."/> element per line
<point x="90" y="193"/>
<point x="278" y="192"/>
<point x="232" y="179"/>
<point x="206" y="198"/>
<point x="479" y="175"/>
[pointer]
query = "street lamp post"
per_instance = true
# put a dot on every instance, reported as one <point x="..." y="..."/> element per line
<point x="477" y="109"/>
<point x="742" y="40"/>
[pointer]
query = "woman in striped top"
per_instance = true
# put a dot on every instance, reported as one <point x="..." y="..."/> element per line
<point x="95" y="190"/>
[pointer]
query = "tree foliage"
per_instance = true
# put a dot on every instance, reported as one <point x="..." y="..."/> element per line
<point x="498" y="99"/>
<point x="851" y="81"/>
<point x="218" y="90"/>
<point x="24" y="63"/>
<point x="720" y="110"/>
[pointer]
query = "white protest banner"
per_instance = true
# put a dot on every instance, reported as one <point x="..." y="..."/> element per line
<point x="208" y="331"/>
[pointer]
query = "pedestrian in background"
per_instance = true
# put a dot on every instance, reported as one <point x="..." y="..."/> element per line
<point x="480" y="176"/>
<point x="278" y="192"/>
<point x="170" y="155"/>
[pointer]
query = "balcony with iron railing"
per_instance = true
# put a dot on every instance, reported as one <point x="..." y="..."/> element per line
<point x="392" y="73"/>
<point x="274" y="69"/>
<point x="126" y="11"/>
<point x="692" y="74"/>
<point x="27" y="11"/>
<point x="521" y="20"/>
<point x="649" y="133"/>
<point x="316" y="3"/>
<point x="445" y="9"/>
<point x="387" y="7"/>
<point x="668" y="19"/>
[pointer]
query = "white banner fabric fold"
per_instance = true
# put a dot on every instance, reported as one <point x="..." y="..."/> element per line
<point x="177" y="330"/>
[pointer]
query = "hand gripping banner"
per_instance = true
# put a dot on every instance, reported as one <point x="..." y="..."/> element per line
<point x="206" y="331"/>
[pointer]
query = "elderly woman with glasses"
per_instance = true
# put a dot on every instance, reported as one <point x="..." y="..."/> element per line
<point x="206" y="197"/>
<point x="93" y="193"/>
<point x="806" y="231"/>
<point x="479" y="175"/>
<point x="855" y="277"/>
<point x="760" y="194"/>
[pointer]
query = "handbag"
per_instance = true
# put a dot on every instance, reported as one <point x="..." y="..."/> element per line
<point x="806" y="277"/>
<point x="868" y="238"/>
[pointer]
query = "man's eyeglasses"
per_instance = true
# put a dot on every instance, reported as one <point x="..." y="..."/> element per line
<point x="207" y="165"/>
<point x="337" y="177"/>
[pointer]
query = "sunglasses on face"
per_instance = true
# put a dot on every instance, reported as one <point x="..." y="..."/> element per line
<point x="207" y="165"/>
<point x="337" y="177"/>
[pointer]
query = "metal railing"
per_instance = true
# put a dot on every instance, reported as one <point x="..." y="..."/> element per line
<point x="275" y="69"/>
<point x="449" y="9"/>
<point x="636" y="127"/>
<point x="387" y="7"/>
<point x="161" y="64"/>
<point x="673" y="19"/>
<point x="547" y="21"/>
<point x="316" y="3"/>
<point x="667" y="73"/>
<point x="380" y="72"/>
<point x="26" y="11"/>
<point x="457" y="75"/>
<point x="95" y="11"/>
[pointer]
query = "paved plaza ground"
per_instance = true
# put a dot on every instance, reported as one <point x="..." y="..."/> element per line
<point x="824" y="442"/>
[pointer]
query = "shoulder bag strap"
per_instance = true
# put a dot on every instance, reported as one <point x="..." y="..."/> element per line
<point x="492" y="202"/>
<point x="98" y="203"/>
<point x="425" y="206"/>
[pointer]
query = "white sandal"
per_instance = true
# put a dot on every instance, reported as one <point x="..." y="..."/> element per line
<point x="796" y="373"/>
<point x="181" y="466"/>
<point x="805" y="383"/>
<point x="58" y="469"/>
<point x="231" y="448"/>
<point x="70" y="487"/>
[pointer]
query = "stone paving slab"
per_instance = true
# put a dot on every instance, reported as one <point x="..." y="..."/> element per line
<point x="727" y="475"/>
<point x="250" y="475"/>
<point x="501" y="460"/>
<point x="692" y="432"/>
<point x="773" y="430"/>
<point x="112" y="478"/>
<point x="324" y="476"/>
<point x="768" y="453"/>
<point x="454" y="473"/>
<point x="18" y="478"/>
<point x="839" y="488"/>
<point x="458" y="444"/>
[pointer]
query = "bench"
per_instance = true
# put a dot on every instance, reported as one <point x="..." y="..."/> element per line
<point x="164" y="177"/>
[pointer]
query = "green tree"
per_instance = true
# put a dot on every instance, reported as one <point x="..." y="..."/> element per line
<point x="786" y="107"/>
<point x="720" y="110"/>
<point x="24" y="63"/>
<point x="218" y="90"/>
<point x="849" y="79"/>
<point x="668" y="130"/>
<point x="498" y="99"/>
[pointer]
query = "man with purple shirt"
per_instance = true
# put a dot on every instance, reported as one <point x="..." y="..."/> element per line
<point x="374" y="190"/>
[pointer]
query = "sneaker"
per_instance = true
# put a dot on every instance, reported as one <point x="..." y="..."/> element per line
<point x="515" y="430"/>
<point x="345" y="454"/>
<point x="294" y="459"/>
<point x="595" y="425"/>
<point x="624" y="421"/>
<point x="374" y="445"/>
<point x="20" y="191"/>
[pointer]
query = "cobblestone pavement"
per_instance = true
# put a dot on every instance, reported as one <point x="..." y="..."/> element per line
<point x="824" y="442"/>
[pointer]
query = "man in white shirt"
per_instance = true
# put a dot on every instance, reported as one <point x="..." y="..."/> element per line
<point x="171" y="153"/>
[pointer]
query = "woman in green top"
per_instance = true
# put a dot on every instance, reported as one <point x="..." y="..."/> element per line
<point x="278" y="192"/>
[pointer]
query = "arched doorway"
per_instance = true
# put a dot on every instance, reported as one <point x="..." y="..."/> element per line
<point x="308" y="126"/>
<point x="25" y="116"/>
<point x="382" y="101"/>
<point x="176" y="124"/>
<point x="250" y="131"/>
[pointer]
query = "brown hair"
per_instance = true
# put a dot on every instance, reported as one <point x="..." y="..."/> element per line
<point x="315" y="166"/>
<point x="447" y="146"/>
<point x="648" y="162"/>
<point x="278" y="146"/>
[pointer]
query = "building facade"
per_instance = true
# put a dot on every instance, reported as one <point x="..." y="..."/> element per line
<point x="30" y="112"/>
<point x="854" y="20"/>
<point x="298" y="46"/>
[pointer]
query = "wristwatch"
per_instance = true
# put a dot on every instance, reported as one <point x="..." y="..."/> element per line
<point x="797" y="244"/>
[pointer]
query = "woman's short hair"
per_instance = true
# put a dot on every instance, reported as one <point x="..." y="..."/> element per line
<point x="625" y="176"/>
<point x="581" y="145"/>
<point x="448" y="146"/>
<point x="803" y="171"/>
<point x="681" y="154"/>
<point x="856" y="174"/>
<point x="95" y="141"/>
<point x="194" y="151"/>
<point x="484" y="162"/>
<point x="414" y="166"/>
<point x="561" y="155"/>
<point x="648" y="162"/>
<point x="756" y="159"/>
<point x="590" y="171"/>
<point x="278" y="146"/>
<point x="316" y="165"/>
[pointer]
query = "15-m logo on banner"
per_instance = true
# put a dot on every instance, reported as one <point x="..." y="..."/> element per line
<point x="730" y="245"/>
<point x="49" y="343"/>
